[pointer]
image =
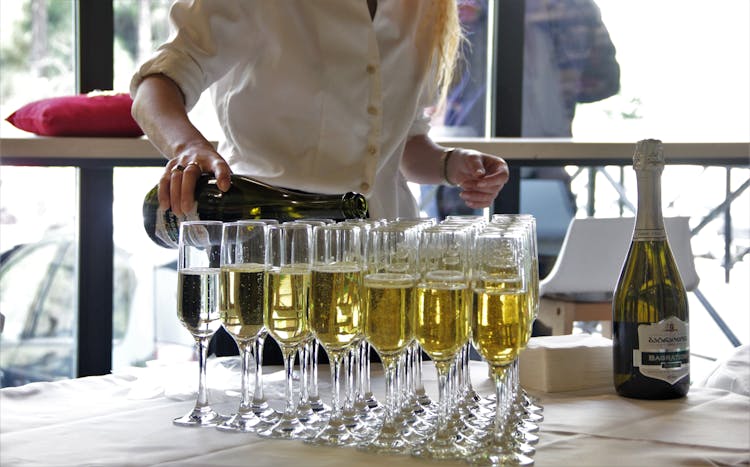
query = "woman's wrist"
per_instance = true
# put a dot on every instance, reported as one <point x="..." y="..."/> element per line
<point x="445" y="159"/>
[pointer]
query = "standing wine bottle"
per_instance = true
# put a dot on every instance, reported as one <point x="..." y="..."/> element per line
<point x="247" y="199"/>
<point x="651" y="352"/>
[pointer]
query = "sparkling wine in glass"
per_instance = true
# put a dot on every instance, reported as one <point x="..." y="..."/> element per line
<point x="335" y="317"/>
<point x="501" y="302"/>
<point x="243" y="267"/>
<point x="388" y="309"/>
<point x="286" y="313"/>
<point x="198" y="304"/>
<point x="442" y="324"/>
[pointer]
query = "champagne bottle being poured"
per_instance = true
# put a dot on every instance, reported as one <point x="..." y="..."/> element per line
<point x="247" y="198"/>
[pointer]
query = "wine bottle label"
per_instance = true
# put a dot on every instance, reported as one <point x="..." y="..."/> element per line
<point x="649" y="234"/>
<point x="167" y="226"/>
<point x="664" y="351"/>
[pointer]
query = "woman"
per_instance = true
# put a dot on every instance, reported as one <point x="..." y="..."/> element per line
<point x="326" y="96"/>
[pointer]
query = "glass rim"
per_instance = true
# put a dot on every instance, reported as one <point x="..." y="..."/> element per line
<point x="201" y="222"/>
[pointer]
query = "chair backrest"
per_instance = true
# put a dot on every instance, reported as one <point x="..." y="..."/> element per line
<point x="594" y="251"/>
<point x="548" y="201"/>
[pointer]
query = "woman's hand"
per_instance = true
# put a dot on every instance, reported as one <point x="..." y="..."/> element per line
<point x="159" y="109"/>
<point x="177" y="184"/>
<point x="481" y="176"/>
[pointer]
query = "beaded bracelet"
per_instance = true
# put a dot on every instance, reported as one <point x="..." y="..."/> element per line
<point x="446" y="157"/>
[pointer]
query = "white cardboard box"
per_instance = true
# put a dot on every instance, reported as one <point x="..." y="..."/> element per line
<point x="566" y="363"/>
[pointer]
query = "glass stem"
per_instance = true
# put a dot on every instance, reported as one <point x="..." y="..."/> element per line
<point x="416" y="370"/>
<point x="202" y="344"/>
<point x="289" y="375"/>
<point x="258" y="397"/>
<point x="349" y="366"/>
<point x="515" y="383"/>
<point x="335" y="379"/>
<point x="391" y="403"/>
<point x="443" y="371"/>
<point x="246" y="354"/>
<point x="315" y="348"/>
<point x="403" y="391"/>
<point x="365" y="376"/>
<point x="304" y="369"/>
<point x="467" y="368"/>
<point x="501" y="393"/>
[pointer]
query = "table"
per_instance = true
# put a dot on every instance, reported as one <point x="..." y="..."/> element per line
<point x="126" y="419"/>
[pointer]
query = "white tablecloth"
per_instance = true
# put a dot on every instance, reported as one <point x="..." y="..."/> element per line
<point x="126" y="419"/>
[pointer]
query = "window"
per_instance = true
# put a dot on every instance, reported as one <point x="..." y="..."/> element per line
<point x="140" y="27"/>
<point x="37" y="53"/>
<point x="38" y="275"/>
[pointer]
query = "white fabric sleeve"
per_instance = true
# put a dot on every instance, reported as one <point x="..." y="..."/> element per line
<point x="421" y="123"/>
<point x="179" y="67"/>
<point x="427" y="99"/>
<point x="211" y="37"/>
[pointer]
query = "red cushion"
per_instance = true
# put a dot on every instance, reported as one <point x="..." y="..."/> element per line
<point x="93" y="114"/>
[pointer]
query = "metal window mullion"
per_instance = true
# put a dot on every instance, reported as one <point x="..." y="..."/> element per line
<point x="506" y="89"/>
<point x="95" y="70"/>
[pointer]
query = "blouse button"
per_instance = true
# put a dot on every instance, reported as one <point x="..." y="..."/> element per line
<point x="372" y="149"/>
<point x="372" y="110"/>
<point x="371" y="69"/>
<point x="364" y="186"/>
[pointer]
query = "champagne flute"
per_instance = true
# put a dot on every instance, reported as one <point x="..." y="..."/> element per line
<point x="198" y="304"/>
<point x="472" y="414"/>
<point x="243" y="265"/>
<point x="285" y="312"/>
<point x="417" y="406"/>
<point x="366" y="403"/>
<point x="335" y="290"/>
<point x="529" y="408"/>
<point x="309" y="354"/>
<point x="500" y="289"/>
<point x="389" y="300"/>
<point x="442" y="323"/>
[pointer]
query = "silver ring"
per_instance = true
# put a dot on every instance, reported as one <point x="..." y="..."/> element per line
<point x="195" y="164"/>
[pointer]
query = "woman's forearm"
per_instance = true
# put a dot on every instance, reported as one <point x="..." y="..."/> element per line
<point x="159" y="108"/>
<point x="422" y="161"/>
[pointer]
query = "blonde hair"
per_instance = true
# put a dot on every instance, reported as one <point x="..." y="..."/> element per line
<point x="444" y="36"/>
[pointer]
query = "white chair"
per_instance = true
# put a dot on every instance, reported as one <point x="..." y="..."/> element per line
<point x="580" y="285"/>
<point x="548" y="201"/>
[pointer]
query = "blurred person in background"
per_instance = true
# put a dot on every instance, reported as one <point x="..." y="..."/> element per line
<point x="569" y="59"/>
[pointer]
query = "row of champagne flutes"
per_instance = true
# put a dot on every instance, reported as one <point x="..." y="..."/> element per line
<point x="403" y="287"/>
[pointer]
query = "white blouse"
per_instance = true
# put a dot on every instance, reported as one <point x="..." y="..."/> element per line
<point x="311" y="95"/>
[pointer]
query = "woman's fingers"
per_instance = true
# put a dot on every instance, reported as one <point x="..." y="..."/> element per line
<point x="181" y="174"/>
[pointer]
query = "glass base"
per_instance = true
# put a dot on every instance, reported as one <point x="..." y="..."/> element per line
<point x="388" y="441"/>
<point x="308" y="417"/>
<point x="242" y="422"/>
<point x="335" y="433"/>
<point x="443" y="446"/>
<point x="200" y="417"/>
<point x="499" y="457"/>
<point x="525" y="437"/>
<point x="533" y="417"/>
<point x="318" y="406"/>
<point x="530" y="404"/>
<point x="371" y="402"/>
<point x="288" y="427"/>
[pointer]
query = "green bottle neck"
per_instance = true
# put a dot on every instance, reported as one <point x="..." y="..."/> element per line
<point x="649" y="221"/>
